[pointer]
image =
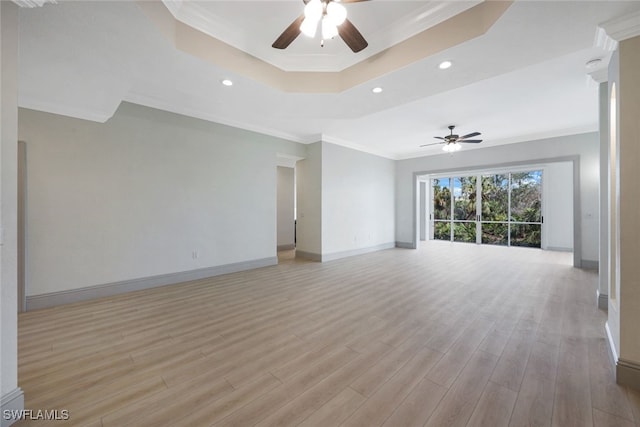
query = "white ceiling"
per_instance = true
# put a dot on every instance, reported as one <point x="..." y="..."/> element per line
<point x="524" y="79"/>
<point x="385" y="24"/>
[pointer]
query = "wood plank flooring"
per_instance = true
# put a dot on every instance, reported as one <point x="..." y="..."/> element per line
<point x="446" y="335"/>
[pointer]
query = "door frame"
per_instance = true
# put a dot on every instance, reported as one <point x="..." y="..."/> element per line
<point x="577" y="209"/>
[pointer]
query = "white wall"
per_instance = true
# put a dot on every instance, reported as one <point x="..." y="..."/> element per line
<point x="585" y="146"/>
<point x="10" y="394"/>
<point x="135" y="197"/>
<point x="558" y="206"/>
<point x="285" y="206"/>
<point x="358" y="197"/>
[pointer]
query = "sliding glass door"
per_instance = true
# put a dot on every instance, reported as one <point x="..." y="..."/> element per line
<point x="441" y="209"/>
<point x="526" y="209"/>
<point x="464" y="209"/>
<point x="495" y="209"/>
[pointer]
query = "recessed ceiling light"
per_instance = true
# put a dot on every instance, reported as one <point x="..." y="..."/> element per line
<point x="227" y="82"/>
<point x="376" y="90"/>
<point x="445" y="64"/>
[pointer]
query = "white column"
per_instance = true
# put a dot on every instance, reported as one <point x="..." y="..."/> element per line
<point x="624" y="199"/>
<point x="11" y="397"/>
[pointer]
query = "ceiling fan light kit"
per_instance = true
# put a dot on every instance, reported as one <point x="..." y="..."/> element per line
<point x="452" y="142"/>
<point x="331" y="16"/>
<point x="451" y="147"/>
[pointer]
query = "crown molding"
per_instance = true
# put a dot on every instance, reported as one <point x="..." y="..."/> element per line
<point x="33" y="3"/>
<point x="623" y="27"/>
<point x="600" y="76"/>
<point x="603" y="41"/>
<point x="158" y="104"/>
<point x="357" y="147"/>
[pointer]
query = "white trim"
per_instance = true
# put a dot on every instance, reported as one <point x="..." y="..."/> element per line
<point x="150" y="102"/>
<point x="558" y="249"/>
<point x="33" y="3"/>
<point x="602" y="300"/>
<point x="12" y="401"/>
<point x="600" y="76"/>
<point x="623" y="27"/>
<point x="353" y="252"/>
<point x="64" y="110"/>
<point x="603" y="41"/>
<point x="357" y="147"/>
<point x="405" y="245"/>
<point x="35" y="302"/>
<point x="612" y="346"/>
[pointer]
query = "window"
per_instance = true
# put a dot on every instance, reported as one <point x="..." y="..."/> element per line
<point x="504" y="209"/>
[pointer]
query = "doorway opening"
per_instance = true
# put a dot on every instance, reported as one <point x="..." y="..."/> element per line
<point x="286" y="212"/>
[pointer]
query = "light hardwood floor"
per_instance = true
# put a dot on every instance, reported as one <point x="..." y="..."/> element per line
<point x="447" y="335"/>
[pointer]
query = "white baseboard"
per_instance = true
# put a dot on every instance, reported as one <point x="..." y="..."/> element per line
<point x="360" y="251"/>
<point x="286" y="247"/>
<point x="12" y="401"/>
<point x="627" y="372"/>
<point x="559" y="249"/>
<point x="612" y="345"/>
<point x="311" y="256"/>
<point x="588" y="264"/>
<point x="53" y="299"/>
<point x="602" y="300"/>
<point x="405" y="245"/>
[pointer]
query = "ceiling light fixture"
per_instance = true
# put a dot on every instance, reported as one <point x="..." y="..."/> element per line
<point x="376" y="90"/>
<point x="445" y="64"/>
<point x="451" y="147"/>
<point x="227" y="82"/>
<point x="329" y="14"/>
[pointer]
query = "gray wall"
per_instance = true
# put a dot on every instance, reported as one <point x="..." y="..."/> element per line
<point x="147" y="193"/>
<point x="584" y="146"/>
<point x="358" y="196"/>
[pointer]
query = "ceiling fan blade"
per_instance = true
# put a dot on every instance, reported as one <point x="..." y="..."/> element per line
<point x="352" y="36"/>
<point x="473" y="141"/>
<point x="434" y="143"/>
<point x="288" y="35"/>
<point x="469" y="136"/>
<point x="439" y="137"/>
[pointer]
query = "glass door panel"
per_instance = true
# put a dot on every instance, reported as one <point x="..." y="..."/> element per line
<point x="495" y="233"/>
<point x="464" y="231"/>
<point x="495" y="209"/>
<point x="464" y="209"/>
<point x="526" y="235"/>
<point x="441" y="215"/>
<point x="526" y="196"/>
<point x="526" y="209"/>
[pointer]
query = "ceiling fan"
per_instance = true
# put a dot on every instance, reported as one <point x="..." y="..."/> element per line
<point x="452" y="142"/>
<point x="331" y="16"/>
